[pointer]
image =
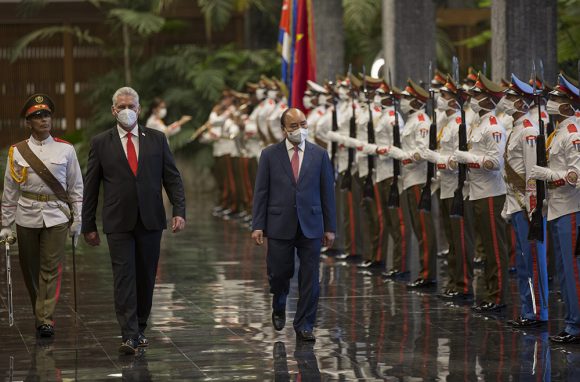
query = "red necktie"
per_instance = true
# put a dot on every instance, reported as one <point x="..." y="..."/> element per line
<point x="131" y="154"/>
<point x="295" y="163"/>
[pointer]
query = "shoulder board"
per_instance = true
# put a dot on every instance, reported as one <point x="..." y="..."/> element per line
<point x="391" y="113"/>
<point x="527" y="123"/>
<point x="14" y="145"/>
<point x="61" y="141"/>
<point x="572" y="128"/>
<point x="493" y="120"/>
<point x="422" y="117"/>
<point x="458" y="120"/>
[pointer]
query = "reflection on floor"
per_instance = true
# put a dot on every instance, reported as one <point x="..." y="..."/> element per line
<point x="211" y="321"/>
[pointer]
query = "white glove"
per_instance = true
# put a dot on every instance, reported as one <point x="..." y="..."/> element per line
<point x="397" y="153"/>
<point x="75" y="228"/>
<point x="430" y="155"/>
<point x="5" y="233"/>
<point x="465" y="157"/>
<point x="542" y="173"/>
<point x="504" y="214"/>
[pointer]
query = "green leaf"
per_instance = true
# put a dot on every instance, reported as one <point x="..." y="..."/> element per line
<point x="48" y="32"/>
<point x="217" y="14"/>
<point x="476" y="40"/>
<point x="144" y="23"/>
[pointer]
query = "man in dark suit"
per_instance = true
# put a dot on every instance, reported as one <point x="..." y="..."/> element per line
<point x="132" y="162"/>
<point x="294" y="207"/>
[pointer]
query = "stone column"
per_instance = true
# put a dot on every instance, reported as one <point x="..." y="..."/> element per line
<point x="408" y="39"/>
<point x="329" y="31"/>
<point x="523" y="30"/>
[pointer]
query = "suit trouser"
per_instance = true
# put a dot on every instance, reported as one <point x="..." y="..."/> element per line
<point x="280" y="265"/>
<point x="41" y="252"/>
<point x="564" y="237"/>
<point x="492" y="228"/>
<point x="394" y="226"/>
<point x="134" y="257"/>
<point x="459" y="231"/>
<point x="374" y="216"/>
<point x="423" y="226"/>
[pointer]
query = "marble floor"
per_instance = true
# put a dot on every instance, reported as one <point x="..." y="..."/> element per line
<point x="211" y="322"/>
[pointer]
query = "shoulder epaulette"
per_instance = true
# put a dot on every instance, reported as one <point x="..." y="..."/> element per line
<point x="62" y="141"/>
<point x="527" y="123"/>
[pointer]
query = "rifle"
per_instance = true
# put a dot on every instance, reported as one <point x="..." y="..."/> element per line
<point x="347" y="179"/>
<point x="536" y="231"/>
<point x="425" y="201"/>
<point x="334" y="145"/>
<point x="457" y="203"/>
<point x="368" y="191"/>
<point x="393" y="201"/>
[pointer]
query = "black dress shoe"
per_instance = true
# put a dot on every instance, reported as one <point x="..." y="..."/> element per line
<point x="142" y="341"/>
<point x="278" y="319"/>
<point x="492" y="307"/>
<point x="522" y="322"/>
<point x="421" y="283"/>
<point x="365" y="264"/>
<point x="45" y="330"/>
<point x="447" y="294"/>
<point x="342" y="256"/>
<point x="564" y="338"/>
<point x="305" y="335"/>
<point x="128" y="347"/>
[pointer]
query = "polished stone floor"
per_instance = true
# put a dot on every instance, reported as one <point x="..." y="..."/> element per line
<point x="211" y="322"/>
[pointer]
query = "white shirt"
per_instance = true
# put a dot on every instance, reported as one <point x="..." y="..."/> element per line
<point x="134" y="138"/>
<point x="290" y="148"/>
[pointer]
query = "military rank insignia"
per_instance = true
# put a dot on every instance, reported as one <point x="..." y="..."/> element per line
<point x="531" y="140"/>
<point x="496" y="136"/>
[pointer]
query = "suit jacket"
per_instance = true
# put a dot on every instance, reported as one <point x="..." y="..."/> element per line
<point x="281" y="203"/>
<point x="127" y="196"/>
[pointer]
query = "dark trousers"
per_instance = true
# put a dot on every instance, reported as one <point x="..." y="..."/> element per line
<point x="280" y="262"/>
<point x="134" y="256"/>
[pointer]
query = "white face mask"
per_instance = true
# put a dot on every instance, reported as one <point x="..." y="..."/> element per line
<point x="162" y="113"/>
<point x="443" y="104"/>
<point x="307" y="101"/>
<point x="475" y="106"/>
<point x="260" y="94"/>
<point x="272" y="94"/>
<point x="553" y="108"/>
<point x="406" y="105"/>
<point x="127" y="118"/>
<point x="297" y="136"/>
<point x="322" y="99"/>
<point x="343" y="93"/>
<point x="377" y="100"/>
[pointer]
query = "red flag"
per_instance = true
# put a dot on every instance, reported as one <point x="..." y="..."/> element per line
<point x="304" y="53"/>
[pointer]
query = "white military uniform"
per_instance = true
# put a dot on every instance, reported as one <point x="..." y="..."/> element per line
<point x="564" y="160"/>
<point x="266" y="108"/>
<point x="521" y="157"/>
<point x="61" y="159"/>
<point x="312" y="120"/>
<point x="252" y="139"/>
<point x="414" y="141"/>
<point x="274" y="122"/>
<point x="344" y="113"/>
<point x="447" y="169"/>
<point x="487" y="144"/>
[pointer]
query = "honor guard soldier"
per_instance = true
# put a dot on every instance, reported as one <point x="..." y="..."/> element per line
<point x="319" y="101"/>
<point x="43" y="191"/>
<point x="414" y="141"/>
<point x="458" y="229"/>
<point x="561" y="175"/>
<point x="394" y="220"/>
<point x="487" y="190"/>
<point x="520" y="158"/>
<point x="279" y="93"/>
